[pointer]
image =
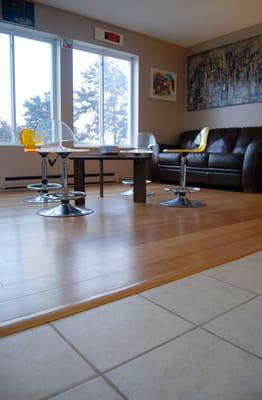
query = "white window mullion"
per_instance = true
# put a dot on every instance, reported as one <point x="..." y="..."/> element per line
<point x="101" y="102"/>
<point x="12" y="74"/>
<point x="54" y="77"/>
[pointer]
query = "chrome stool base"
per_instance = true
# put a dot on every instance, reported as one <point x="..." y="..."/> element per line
<point x="65" y="209"/>
<point x="41" y="199"/>
<point x="181" y="201"/>
<point x="180" y="190"/>
<point x="43" y="190"/>
<point x="40" y="187"/>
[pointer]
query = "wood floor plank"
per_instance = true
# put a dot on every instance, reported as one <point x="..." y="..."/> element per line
<point x="54" y="267"/>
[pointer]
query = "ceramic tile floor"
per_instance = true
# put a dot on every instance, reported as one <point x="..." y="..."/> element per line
<point x="198" y="338"/>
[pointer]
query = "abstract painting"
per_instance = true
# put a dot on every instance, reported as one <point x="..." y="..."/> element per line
<point x="225" y="76"/>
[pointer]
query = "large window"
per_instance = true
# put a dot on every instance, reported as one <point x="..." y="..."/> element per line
<point x="27" y="82"/>
<point x="103" y="97"/>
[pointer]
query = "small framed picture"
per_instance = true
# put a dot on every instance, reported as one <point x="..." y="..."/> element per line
<point x="163" y="84"/>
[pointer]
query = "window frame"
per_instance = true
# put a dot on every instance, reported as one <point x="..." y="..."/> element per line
<point x="133" y="86"/>
<point x="54" y="41"/>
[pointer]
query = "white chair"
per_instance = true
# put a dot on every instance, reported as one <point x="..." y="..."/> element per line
<point x="145" y="141"/>
<point x="61" y="141"/>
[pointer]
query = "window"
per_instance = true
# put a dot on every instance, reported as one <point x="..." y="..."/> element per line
<point x="27" y="81"/>
<point x="104" y="101"/>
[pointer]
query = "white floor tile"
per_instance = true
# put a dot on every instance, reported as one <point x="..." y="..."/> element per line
<point x="114" y="333"/>
<point x="245" y="273"/>
<point x="198" y="297"/>
<point x="242" y="326"/>
<point x="37" y="363"/>
<point x="97" y="389"/>
<point x="257" y="256"/>
<point x="196" y="366"/>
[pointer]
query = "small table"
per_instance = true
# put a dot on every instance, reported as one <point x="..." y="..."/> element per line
<point x="139" y="165"/>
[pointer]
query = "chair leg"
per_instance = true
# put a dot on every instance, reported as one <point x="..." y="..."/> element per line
<point x="43" y="187"/>
<point x="181" y="200"/>
<point x="183" y="172"/>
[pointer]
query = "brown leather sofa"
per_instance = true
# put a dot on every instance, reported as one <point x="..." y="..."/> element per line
<point x="233" y="159"/>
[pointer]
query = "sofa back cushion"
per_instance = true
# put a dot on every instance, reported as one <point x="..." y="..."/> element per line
<point x="186" y="139"/>
<point x="247" y="135"/>
<point x="225" y="160"/>
<point x="222" y="140"/>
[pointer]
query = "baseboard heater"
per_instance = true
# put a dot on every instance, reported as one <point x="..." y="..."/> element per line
<point x="20" y="182"/>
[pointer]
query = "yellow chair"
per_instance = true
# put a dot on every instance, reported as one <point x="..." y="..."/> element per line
<point x="181" y="200"/>
<point x="31" y="142"/>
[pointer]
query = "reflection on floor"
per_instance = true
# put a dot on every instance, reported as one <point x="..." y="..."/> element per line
<point x="52" y="267"/>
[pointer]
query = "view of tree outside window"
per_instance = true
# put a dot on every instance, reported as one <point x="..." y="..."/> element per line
<point x="33" y="100"/>
<point x="101" y="99"/>
<point x="26" y="86"/>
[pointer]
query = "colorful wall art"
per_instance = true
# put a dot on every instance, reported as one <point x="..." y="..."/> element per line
<point x="225" y="76"/>
<point x="163" y="84"/>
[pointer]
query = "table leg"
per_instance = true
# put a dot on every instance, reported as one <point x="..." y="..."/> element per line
<point x="101" y="178"/>
<point x="79" y="178"/>
<point x="139" y="180"/>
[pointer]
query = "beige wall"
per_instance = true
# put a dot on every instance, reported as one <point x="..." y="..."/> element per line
<point x="162" y="118"/>
<point x="242" y="115"/>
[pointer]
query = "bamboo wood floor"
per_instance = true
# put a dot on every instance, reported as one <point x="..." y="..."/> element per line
<point x="51" y="267"/>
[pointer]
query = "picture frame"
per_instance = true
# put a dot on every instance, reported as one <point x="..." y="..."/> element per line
<point x="163" y="84"/>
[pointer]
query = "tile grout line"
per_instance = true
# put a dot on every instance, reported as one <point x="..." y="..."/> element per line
<point x="149" y="350"/>
<point x="228" y="283"/>
<point x="202" y="326"/>
<point x="227" y="311"/>
<point x="52" y="396"/>
<point x="90" y="364"/>
<point x="73" y="386"/>
<point x="231" y="343"/>
<point x="167" y="309"/>
<point x="199" y="325"/>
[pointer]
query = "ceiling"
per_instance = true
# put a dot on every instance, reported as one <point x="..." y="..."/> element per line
<point x="182" y="22"/>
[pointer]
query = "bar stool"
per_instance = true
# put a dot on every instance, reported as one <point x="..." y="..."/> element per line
<point x="60" y="137"/>
<point x="181" y="200"/>
<point x="30" y="142"/>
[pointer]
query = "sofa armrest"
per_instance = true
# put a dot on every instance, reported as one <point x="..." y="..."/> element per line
<point x="252" y="167"/>
<point x="158" y="148"/>
<point x="163" y="146"/>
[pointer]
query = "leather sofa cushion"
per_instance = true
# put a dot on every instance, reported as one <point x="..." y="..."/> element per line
<point x="169" y="158"/>
<point x="247" y="135"/>
<point x="225" y="160"/>
<point x="197" y="160"/>
<point x="186" y="139"/>
<point x="222" y="140"/>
